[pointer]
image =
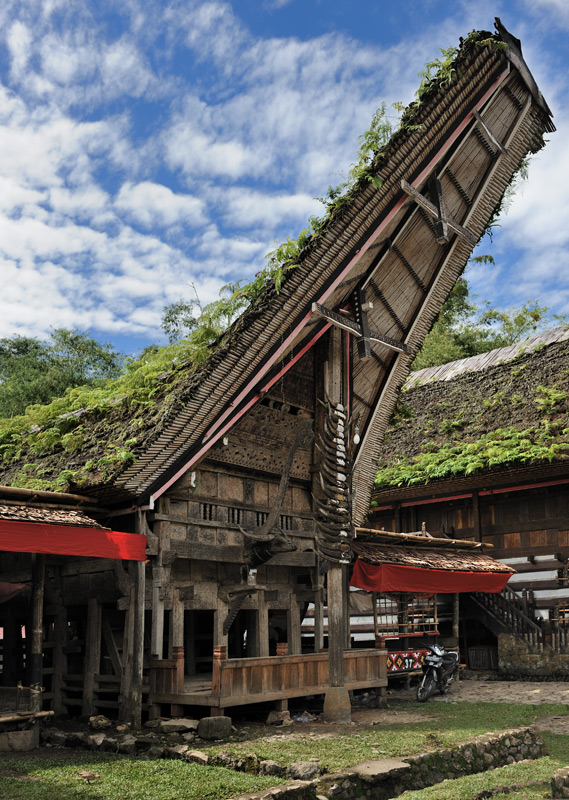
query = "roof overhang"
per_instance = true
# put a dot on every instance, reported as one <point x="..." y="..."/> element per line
<point x="426" y="568"/>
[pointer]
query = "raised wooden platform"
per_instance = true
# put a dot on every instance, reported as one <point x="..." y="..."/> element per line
<point x="244" y="681"/>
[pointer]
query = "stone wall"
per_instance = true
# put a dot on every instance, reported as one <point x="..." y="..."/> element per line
<point x="560" y="783"/>
<point x="385" y="778"/>
<point x="517" y="660"/>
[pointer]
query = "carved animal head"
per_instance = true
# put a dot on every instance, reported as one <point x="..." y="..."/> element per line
<point x="260" y="549"/>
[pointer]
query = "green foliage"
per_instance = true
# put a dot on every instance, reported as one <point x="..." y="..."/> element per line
<point x="550" y="399"/>
<point x="35" y="371"/>
<point x="464" y="329"/>
<point x="441" y="72"/>
<point x="492" y="450"/>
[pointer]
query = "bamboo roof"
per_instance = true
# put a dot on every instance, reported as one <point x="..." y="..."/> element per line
<point x="470" y="132"/>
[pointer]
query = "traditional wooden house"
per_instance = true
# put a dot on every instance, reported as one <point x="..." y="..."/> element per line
<point x="247" y="473"/>
<point x="479" y="449"/>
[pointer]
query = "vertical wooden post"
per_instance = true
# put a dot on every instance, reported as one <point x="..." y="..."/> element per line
<point x="262" y="626"/>
<point x="128" y="636"/>
<point x="318" y="622"/>
<point x="36" y="643"/>
<point x="337" y="700"/>
<point x="134" y="701"/>
<point x="293" y="626"/>
<point x="476" y="516"/>
<point x="92" y="663"/>
<point x="219" y="638"/>
<point x="346" y="607"/>
<point x="219" y="655"/>
<point x="455" y="616"/>
<point x="59" y="656"/>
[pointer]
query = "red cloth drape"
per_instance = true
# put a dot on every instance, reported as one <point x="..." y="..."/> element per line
<point x="69" y="540"/>
<point x="418" y="580"/>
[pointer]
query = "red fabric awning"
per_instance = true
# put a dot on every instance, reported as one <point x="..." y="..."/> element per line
<point x="70" y="540"/>
<point x="417" y="580"/>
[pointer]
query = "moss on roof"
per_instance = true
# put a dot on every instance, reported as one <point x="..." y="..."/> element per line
<point x="509" y="414"/>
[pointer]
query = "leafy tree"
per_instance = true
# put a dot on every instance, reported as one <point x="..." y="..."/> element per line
<point x="464" y="329"/>
<point x="205" y="323"/>
<point x="35" y="371"/>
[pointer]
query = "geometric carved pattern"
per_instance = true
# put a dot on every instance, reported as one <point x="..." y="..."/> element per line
<point x="405" y="660"/>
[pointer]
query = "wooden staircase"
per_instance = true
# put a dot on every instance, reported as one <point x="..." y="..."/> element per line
<point x="507" y="612"/>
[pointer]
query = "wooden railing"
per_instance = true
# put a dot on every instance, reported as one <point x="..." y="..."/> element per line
<point x="512" y="611"/>
<point x="238" y="681"/>
<point x="167" y="675"/>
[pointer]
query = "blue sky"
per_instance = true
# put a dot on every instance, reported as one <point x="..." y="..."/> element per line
<point x="147" y="147"/>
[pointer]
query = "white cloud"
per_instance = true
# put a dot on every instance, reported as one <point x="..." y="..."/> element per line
<point x="19" y="41"/>
<point x="152" y="204"/>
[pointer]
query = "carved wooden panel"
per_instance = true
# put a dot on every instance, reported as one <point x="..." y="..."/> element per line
<point x="261" y="442"/>
<point x="296" y="388"/>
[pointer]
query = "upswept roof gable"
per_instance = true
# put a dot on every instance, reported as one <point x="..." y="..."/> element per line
<point x="470" y="133"/>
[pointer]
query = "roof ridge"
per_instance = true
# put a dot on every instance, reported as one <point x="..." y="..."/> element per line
<point x="480" y="362"/>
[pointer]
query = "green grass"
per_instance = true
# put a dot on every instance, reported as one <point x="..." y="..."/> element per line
<point x="121" y="778"/>
<point x="53" y="775"/>
<point x="445" y="725"/>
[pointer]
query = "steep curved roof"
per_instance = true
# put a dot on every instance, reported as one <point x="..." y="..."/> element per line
<point x="470" y="131"/>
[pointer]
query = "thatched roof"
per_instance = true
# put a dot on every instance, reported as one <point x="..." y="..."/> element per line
<point x="501" y="416"/>
<point x="428" y="557"/>
<point x="377" y="239"/>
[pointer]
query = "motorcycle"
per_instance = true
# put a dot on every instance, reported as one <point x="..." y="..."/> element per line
<point x="440" y="667"/>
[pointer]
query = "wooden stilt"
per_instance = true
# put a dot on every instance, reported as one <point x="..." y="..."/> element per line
<point x="128" y="637"/>
<point x="92" y="656"/>
<point x="262" y="629"/>
<point x="293" y="625"/>
<point x="36" y="639"/>
<point x="318" y="622"/>
<point x="59" y="655"/>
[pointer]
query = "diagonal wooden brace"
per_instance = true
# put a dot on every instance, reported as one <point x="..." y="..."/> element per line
<point x="432" y="209"/>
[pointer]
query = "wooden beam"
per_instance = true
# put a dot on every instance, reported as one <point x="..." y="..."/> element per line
<point x="488" y="132"/>
<point x="426" y="204"/>
<point x="441" y="224"/>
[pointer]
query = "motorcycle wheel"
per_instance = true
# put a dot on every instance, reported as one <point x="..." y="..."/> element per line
<point x="427" y="687"/>
<point x="446" y="685"/>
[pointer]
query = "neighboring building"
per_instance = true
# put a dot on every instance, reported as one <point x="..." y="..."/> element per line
<point x="248" y="473"/>
<point x="479" y="449"/>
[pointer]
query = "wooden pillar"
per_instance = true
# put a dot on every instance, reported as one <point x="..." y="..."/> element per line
<point x="35" y="643"/>
<point x="346" y="607"/>
<point x="157" y="630"/>
<point x="262" y="627"/>
<point x="476" y="517"/>
<point x="59" y="655"/>
<point x="176" y="622"/>
<point x="92" y="663"/>
<point x="134" y="698"/>
<point x="219" y="655"/>
<point x="318" y="622"/>
<point x="455" y="616"/>
<point x="128" y="637"/>
<point x="293" y="627"/>
<point x="220" y="639"/>
<point x="337" y="700"/>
